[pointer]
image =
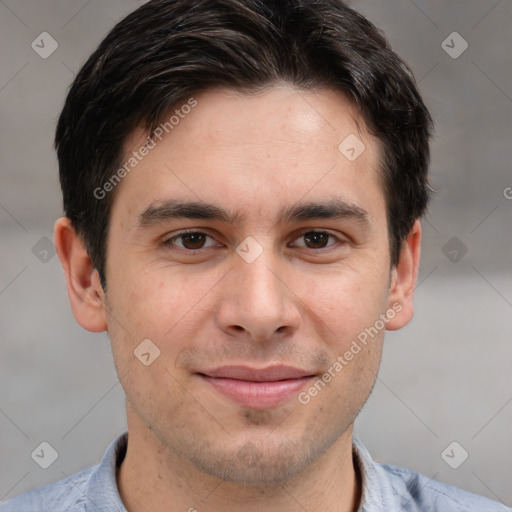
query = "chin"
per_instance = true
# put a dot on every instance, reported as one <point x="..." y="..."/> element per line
<point x="263" y="462"/>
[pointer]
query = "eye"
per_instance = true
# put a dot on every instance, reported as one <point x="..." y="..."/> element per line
<point x="316" y="239"/>
<point x="196" y="240"/>
<point x="190" y="240"/>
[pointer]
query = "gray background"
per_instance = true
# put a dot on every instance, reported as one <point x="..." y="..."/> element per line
<point x="446" y="377"/>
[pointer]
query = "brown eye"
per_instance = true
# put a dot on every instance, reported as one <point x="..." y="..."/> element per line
<point x="316" y="239"/>
<point x="193" y="240"/>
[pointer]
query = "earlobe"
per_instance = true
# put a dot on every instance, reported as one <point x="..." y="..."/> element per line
<point x="404" y="280"/>
<point x="82" y="280"/>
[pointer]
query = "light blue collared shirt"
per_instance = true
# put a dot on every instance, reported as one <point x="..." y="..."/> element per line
<point x="386" y="488"/>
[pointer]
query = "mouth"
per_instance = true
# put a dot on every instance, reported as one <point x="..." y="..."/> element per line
<point x="257" y="388"/>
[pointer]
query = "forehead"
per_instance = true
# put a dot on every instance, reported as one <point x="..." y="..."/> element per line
<point x="254" y="150"/>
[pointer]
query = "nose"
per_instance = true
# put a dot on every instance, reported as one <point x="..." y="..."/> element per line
<point x="258" y="300"/>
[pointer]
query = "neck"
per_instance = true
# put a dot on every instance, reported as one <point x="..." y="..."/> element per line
<point x="152" y="477"/>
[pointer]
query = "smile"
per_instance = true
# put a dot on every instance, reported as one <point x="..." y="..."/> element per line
<point x="257" y="389"/>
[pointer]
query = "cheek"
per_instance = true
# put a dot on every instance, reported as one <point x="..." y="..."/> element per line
<point x="162" y="304"/>
<point x="346" y="302"/>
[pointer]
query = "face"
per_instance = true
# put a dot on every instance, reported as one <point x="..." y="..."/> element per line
<point x="255" y="301"/>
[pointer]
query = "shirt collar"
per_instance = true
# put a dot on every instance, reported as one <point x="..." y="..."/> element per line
<point x="102" y="487"/>
<point x="377" y="492"/>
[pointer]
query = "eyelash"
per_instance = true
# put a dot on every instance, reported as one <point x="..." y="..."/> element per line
<point x="169" y="241"/>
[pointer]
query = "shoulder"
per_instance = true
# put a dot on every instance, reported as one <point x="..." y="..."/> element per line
<point x="392" y="488"/>
<point x="91" y="489"/>
<point x="66" y="495"/>
<point x="420" y="493"/>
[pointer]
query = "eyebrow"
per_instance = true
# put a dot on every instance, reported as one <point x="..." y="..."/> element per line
<point x="159" y="212"/>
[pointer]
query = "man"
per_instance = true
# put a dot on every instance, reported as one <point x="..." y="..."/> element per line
<point x="243" y="182"/>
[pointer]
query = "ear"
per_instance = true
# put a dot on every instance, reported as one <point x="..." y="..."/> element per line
<point x="403" y="280"/>
<point x="82" y="279"/>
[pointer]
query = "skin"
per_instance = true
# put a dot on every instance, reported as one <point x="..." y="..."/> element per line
<point x="298" y="303"/>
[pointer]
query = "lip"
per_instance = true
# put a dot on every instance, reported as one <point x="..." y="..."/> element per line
<point x="257" y="388"/>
